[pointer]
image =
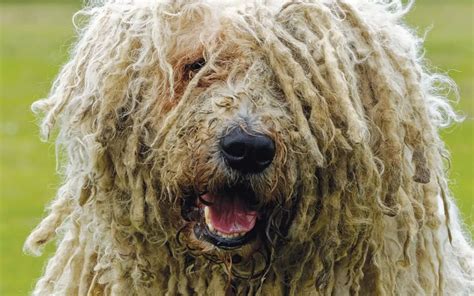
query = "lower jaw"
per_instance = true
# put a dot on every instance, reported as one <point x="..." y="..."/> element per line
<point x="203" y="233"/>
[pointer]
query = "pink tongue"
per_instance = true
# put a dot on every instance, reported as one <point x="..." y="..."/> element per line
<point x="230" y="216"/>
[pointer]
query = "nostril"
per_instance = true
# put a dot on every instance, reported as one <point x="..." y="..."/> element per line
<point x="264" y="151"/>
<point x="235" y="149"/>
<point x="265" y="155"/>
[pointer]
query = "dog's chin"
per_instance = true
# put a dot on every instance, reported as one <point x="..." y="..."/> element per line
<point x="226" y="219"/>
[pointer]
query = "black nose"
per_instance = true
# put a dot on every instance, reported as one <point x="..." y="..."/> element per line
<point x="247" y="153"/>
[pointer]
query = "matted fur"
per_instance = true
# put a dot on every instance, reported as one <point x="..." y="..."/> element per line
<point x="356" y="200"/>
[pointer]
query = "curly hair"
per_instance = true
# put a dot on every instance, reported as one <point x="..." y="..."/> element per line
<point x="355" y="202"/>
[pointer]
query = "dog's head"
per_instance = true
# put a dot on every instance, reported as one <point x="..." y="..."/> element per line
<point x="231" y="128"/>
<point x="227" y="139"/>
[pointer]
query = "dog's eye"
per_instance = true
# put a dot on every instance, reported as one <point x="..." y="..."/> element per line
<point x="195" y="66"/>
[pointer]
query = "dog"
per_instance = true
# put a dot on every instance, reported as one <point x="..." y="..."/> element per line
<point x="250" y="148"/>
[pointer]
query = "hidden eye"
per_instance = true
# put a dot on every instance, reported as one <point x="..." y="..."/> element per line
<point x="195" y="66"/>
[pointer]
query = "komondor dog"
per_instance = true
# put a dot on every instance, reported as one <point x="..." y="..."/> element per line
<point x="250" y="147"/>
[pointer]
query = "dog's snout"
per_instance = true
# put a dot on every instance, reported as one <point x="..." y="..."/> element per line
<point x="247" y="153"/>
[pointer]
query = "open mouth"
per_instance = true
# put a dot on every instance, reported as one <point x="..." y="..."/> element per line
<point x="226" y="219"/>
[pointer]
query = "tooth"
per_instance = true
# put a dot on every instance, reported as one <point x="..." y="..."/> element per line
<point x="207" y="219"/>
<point x="206" y="214"/>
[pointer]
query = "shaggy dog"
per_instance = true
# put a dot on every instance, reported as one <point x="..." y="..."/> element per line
<point x="276" y="148"/>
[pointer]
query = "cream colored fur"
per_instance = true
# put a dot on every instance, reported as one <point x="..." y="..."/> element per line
<point x="356" y="200"/>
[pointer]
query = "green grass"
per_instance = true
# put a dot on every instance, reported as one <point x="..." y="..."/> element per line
<point x="34" y="42"/>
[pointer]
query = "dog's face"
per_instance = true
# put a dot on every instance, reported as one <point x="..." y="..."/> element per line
<point x="232" y="145"/>
<point x="230" y="152"/>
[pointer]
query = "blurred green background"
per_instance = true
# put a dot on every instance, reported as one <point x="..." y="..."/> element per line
<point x="34" y="40"/>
